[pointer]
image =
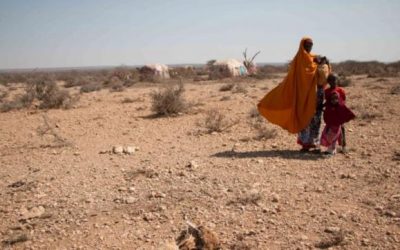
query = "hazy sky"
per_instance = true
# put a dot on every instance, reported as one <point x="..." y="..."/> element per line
<point x="51" y="33"/>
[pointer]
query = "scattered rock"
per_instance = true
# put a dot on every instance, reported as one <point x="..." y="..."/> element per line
<point x="390" y="213"/>
<point x="275" y="197"/>
<point x="198" y="238"/>
<point x="192" y="164"/>
<point x="31" y="213"/>
<point x="365" y="242"/>
<point x="130" y="200"/>
<point x="334" y="240"/>
<point x="13" y="239"/>
<point x="129" y="150"/>
<point x="332" y="230"/>
<point x="118" y="149"/>
<point x="348" y="176"/>
<point x="17" y="184"/>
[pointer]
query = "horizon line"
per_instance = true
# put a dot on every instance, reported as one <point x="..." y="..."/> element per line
<point x="98" y="67"/>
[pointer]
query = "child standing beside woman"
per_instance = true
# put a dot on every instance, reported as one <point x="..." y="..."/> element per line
<point x="336" y="113"/>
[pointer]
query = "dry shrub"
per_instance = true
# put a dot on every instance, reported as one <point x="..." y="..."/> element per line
<point x="235" y="88"/>
<point x="132" y="100"/>
<point x="344" y="81"/>
<point x="396" y="156"/>
<point x="334" y="240"/>
<point x="48" y="128"/>
<point x="370" y="68"/>
<point x="117" y="87"/>
<point x="76" y="82"/>
<point x="227" y="87"/>
<point x="395" y="90"/>
<point x="133" y="174"/>
<point x="198" y="237"/>
<point x="188" y="72"/>
<point x="216" y="121"/>
<point x="91" y="87"/>
<point x="366" y="115"/>
<point x="225" y="98"/>
<point x="252" y="197"/>
<point x="49" y="95"/>
<point x="3" y="94"/>
<point x="240" y="88"/>
<point x="12" y="105"/>
<point x="263" y="132"/>
<point x="253" y="113"/>
<point x="169" y="100"/>
<point x="15" y="238"/>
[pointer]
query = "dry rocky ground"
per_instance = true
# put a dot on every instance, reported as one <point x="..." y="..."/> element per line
<point x="70" y="191"/>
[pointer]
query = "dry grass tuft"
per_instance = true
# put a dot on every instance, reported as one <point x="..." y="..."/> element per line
<point x="263" y="132"/>
<point x="19" y="237"/>
<point x="334" y="240"/>
<point x="148" y="173"/>
<point x="240" y="88"/>
<point x="47" y="128"/>
<point x="3" y="95"/>
<point x="395" y="90"/>
<point x="366" y="115"/>
<point x="344" y="81"/>
<point x="253" y="113"/>
<point x="227" y="87"/>
<point x="132" y="100"/>
<point x="253" y="197"/>
<point x="117" y="87"/>
<point x="216" y="121"/>
<point x="198" y="237"/>
<point x="91" y="87"/>
<point x="48" y="94"/>
<point x="169" y="101"/>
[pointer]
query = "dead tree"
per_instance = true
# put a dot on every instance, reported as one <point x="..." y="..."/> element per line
<point x="249" y="63"/>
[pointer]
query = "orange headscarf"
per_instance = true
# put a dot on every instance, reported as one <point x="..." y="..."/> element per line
<point x="292" y="104"/>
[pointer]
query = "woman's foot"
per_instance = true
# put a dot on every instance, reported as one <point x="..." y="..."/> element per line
<point x="304" y="150"/>
<point x="316" y="151"/>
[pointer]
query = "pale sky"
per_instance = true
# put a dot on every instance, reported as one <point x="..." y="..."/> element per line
<point x="55" y="33"/>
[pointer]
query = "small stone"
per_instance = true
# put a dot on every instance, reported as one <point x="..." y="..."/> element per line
<point x="332" y="230"/>
<point x="260" y="161"/>
<point x="31" y="213"/>
<point x="129" y="150"/>
<point x="364" y="242"/>
<point x="118" y="149"/>
<point x="130" y="200"/>
<point x="390" y="213"/>
<point x="89" y="200"/>
<point x="192" y="164"/>
<point x="275" y="197"/>
<point x="303" y="237"/>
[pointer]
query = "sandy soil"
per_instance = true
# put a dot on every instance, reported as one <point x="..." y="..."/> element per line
<point x="254" y="194"/>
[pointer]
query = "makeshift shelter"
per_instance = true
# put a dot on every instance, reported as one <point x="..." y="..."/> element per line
<point x="227" y="68"/>
<point x="154" y="72"/>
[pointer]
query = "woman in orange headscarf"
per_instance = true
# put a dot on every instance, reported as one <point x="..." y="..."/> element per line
<point x="292" y="104"/>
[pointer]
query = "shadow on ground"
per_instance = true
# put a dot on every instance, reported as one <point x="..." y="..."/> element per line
<point x="285" y="154"/>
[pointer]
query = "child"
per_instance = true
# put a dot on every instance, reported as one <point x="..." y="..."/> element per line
<point x="333" y="80"/>
<point x="335" y="115"/>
